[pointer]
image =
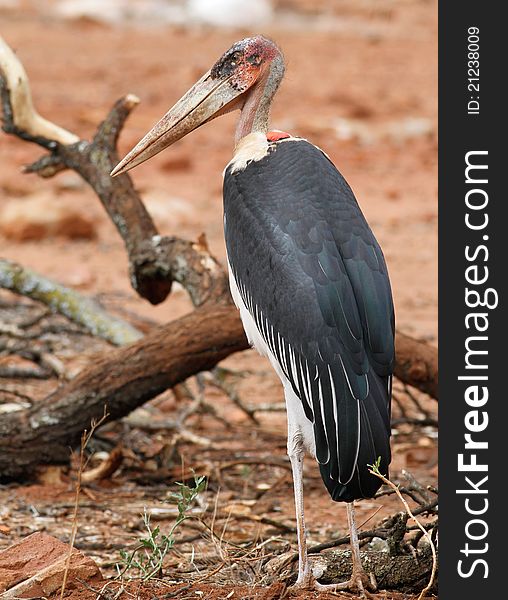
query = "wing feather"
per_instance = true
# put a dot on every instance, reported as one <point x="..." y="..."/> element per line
<point x="315" y="281"/>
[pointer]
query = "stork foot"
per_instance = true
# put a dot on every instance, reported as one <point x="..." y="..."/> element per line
<point x="359" y="583"/>
<point x="305" y="580"/>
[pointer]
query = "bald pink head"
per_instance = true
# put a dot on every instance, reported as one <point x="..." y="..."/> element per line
<point x="245" y="77"/>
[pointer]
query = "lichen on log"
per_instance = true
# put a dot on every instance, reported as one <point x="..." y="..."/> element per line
<point x="67" y="302"/>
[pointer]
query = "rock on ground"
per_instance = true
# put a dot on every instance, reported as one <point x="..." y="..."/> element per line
<point x="35" y="567"/>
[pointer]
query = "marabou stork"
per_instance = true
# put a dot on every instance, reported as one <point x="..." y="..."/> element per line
<point x="308" y="277"/>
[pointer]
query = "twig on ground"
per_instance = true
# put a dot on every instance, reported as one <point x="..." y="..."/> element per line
<point x="218" y="378"/>
<point x="24" y="373"/>
<point x="427" y="422"/>
<point x="269" y="407"/>
<point x="247" y="460"/>
<point x="374" y="470"/>
<point x="67" y="302"/>
<point x="6" y="389"/>
<point x="37" y="353"/>
<point x="106" y="468"/>
<point x="416" y="486"/>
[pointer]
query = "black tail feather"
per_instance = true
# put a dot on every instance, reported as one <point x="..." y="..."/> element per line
<point x="374" y="446"/>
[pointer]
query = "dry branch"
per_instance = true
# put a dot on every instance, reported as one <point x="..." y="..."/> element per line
<point x="122" y="380"/>
<point x="126" y="378"/>
<point x="24" y="118"/>
<point x="67" y="302"/>
<point x="106" y="468"/>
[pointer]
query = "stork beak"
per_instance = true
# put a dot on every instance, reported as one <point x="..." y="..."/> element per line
<point x="207" y="98"/>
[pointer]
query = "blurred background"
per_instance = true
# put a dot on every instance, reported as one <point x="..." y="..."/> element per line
<point x="360" y="83"/>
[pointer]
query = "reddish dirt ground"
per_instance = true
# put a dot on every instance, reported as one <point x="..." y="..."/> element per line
<point x="364" y="89"/>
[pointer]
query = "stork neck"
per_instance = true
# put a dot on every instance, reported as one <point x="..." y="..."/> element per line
<point x="255" y="113"/>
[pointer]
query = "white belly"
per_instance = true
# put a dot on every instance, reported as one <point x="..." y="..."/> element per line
<point x="299" y="427"/>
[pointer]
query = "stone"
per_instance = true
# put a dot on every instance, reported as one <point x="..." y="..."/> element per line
<point x="35" y="567"/>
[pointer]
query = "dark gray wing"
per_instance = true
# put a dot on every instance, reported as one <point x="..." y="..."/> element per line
<point x="314" y="278"/>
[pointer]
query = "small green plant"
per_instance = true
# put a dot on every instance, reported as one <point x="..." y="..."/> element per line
<point x="375" y="466"/>
<point x="148" y="556"/>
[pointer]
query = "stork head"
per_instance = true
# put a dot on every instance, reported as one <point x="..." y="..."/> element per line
<point x="245" y="77"/>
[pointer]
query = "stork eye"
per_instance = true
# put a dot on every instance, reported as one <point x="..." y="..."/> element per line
<point x="234" y="59"/>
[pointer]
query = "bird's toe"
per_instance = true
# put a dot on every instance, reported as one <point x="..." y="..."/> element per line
<point x="359" y="583"/>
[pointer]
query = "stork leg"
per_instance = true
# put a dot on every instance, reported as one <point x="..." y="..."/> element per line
<point x="359" y="580"/>
<point x="296" y="455"/>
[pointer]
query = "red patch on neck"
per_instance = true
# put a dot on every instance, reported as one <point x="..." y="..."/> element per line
<point x="275" y="136"/>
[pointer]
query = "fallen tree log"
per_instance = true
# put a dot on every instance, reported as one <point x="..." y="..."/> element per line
<point x="405" y="573"/>
<point x="120" y="381"/>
